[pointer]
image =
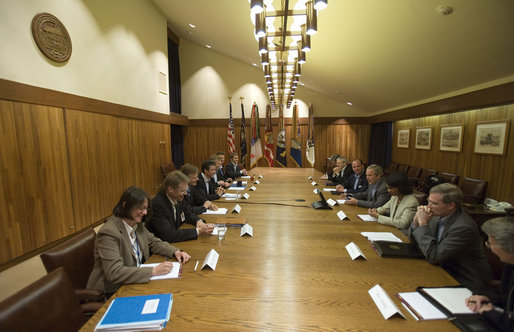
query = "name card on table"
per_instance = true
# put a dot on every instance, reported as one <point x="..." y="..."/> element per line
<point x="384" y="303"/>
<point x="366" y="217"/>
<point x="342" y="215"/>
<point x="247" y="230"/>
<point x="331" y="202"/>
<point x="257" y="182"/>
<point x="341" y="201"/>
<point x="211" y="260"/>
<point x="245" y="196"/>
<point x="252" y="188"/>
<point x="314" y="183"/>
<point x="316" y="191"/>
<point x="354" y="251"/>
<point x="260" y="176"/>
<point x="236" y="209"/>
<point x="309" y="178"/>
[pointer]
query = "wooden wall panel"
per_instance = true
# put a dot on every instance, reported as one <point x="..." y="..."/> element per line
<point x="12" y="216"/>
<point x="95" y="166"/>
<point x="41" y="141"/>
<point x="350" y="140"/>
<point x="497" y="170"/>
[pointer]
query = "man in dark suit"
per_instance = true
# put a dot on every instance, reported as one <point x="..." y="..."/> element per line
<point x="341" y="173"/>
<point x="357" y="182"/>
<point x="449" y="237"/>
<point x="232" y="168"/>
<point x="197" y="202"/>
<point x="206" y="188"/>
<point x="219" y="177"/>
<point x="169" y="212"/>
<point x="376" y="195"/>
<point x="220" y="173"/>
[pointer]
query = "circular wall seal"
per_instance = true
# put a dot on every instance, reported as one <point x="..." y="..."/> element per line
<point x="51" y="37"/>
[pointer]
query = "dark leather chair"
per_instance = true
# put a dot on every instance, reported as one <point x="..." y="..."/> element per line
<point x="413" y="174"/>
<point x="402" y="168"/>
<point x="167" y="169"/>
<point x="393" y="166"/>
<point x="425" y="174"/>
<point x="48" y="304"/>
<point x="449" y="178"/>
<point x="474" y="190"/>
<point x="76" y="257"/>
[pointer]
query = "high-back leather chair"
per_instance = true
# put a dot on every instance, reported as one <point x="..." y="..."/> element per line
<point x="474" y="190"/>
<point x="425" y="174"/>
<point x="48" y="304"/>
<point x="167" y="169"/>
<point x="76" y="257"/>
<point x="413" y="175"/>
<point x="402" y="168"/>
<point x="449" y="177"/>
<point x="393" y="166"/>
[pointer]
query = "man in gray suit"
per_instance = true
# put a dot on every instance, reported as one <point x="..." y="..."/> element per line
<point x="448" y="237"/>
<point x="376" y="195"/>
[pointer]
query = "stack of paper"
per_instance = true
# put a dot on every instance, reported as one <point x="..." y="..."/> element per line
<point x="419" y="307"/>
<point x="137" y="313"/>
<point x="381" y="236"/>
<point x="218" y="211"/>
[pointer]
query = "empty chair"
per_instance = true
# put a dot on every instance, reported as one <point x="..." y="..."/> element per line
<point x="76" y="257"/>
<point x="402" y="168"/>
<point x="167" y="168"/>
<point x="449" y="177"/>
<point x="48" y="304"/>
<point x="413" y="174"/>
<point x="474" y="190"/>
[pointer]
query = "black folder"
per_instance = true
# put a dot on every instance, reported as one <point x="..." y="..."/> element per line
<point x="397" y="249"/>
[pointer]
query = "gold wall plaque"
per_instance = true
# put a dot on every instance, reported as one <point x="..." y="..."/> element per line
<point x="51" y="37"/>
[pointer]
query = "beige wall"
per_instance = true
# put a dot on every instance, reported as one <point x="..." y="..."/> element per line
<point x="209" y="77"/>
<point x="119" y="46"/>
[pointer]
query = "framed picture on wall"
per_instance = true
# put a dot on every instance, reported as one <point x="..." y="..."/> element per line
<point x="491" y="137"/>
<point x="403" y="138"/>
<point x="424" y="138"/>
<point x="451" y="138"/>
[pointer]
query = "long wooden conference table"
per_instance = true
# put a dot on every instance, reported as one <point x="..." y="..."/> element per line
<point x="294" y="274"/>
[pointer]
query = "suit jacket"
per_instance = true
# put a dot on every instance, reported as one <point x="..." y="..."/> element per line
<point x="201" y="190"/>
<point x="166" y="225"/>
<point x="459" y="250"/>
<point x="342" y="176"/>
<point x="222" y="176"/>
<point x="379" y="198"/>
<point x="115" y="262"/>
<point x="362" y="183"/>
<point x="398" y="215"/>
<point x="195" y="201"/>
<point x="502" y="321"/>
<point x="232" y="171"/>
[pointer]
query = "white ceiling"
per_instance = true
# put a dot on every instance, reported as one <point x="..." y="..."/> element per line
<point x="381" y="55"/>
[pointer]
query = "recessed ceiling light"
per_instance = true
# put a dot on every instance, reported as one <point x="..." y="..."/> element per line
<point x="192" y="25"/>
<point x="207" y="45"/>
<point x="349" y="104"/>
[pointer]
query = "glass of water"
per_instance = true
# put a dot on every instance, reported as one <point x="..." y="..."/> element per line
<point x="222" y="229"/>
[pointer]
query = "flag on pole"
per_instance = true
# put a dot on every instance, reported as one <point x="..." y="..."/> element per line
<point x="281" y="139"/>
<point x="256" y="148"/>
<point x="310" y="139"/>
<point x="243" y="135"/>
<point x="268" y="138"/>
<point x="296" y="151"/>
<point x="230" y="133"/>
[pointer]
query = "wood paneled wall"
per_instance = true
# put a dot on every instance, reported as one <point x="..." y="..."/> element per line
<point x="497" y="170"/>
<point x="62" y="170"/>
<point x="352" y="141"/>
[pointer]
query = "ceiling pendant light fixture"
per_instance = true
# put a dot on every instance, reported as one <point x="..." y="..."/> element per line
<point x="256" y="6"/>
<point x="312" y="20"/>
<point x="320" y="4"/>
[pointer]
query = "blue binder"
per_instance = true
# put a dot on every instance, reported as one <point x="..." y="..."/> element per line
<point x="126" y="313"/>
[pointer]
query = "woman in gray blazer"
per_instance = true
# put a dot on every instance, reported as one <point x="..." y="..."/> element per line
<point x="123" y="244"/>
<point x="400" y="210"/>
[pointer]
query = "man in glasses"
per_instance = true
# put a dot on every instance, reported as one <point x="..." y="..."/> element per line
<point x="169" y="212"/>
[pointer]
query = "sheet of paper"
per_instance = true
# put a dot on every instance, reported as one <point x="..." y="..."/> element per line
<point x="245" y="177"/>
<point x="341" y="201"/>
<point x="247" y="229"/>
<point x="381" y="236"/>
<point x="329" y="189"/>
<point x="452" y="298"/>
<point x="341" y="215"/>
<point x="236" y="188"/>
<point x="383" y="302"/>
<point x="421" y="306"/>
<point x="366" y="217"/>
<point x="174" y="273"/>
<point x="227" y="195"/>
<point x="211" y="260"/>
<point x="354" y="251"/>
<point x="231" y="199"/>
<point x="218" y="211"/>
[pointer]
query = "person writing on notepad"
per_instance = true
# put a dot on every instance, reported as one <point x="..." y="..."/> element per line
<point x="123" y="244"/>
<point x="497" y="306"/>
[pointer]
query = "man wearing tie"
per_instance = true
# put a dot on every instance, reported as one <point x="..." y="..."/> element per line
<point x="357" y="182"/>
<point x="376" y="195"/>
<point x="448" y="237"/>
<point x="232" y="169"/>
<point x="169" y="212"/>
<point x="206" y="187"/>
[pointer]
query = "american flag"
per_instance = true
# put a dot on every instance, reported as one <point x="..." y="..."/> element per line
<point x="230" y="133"/>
